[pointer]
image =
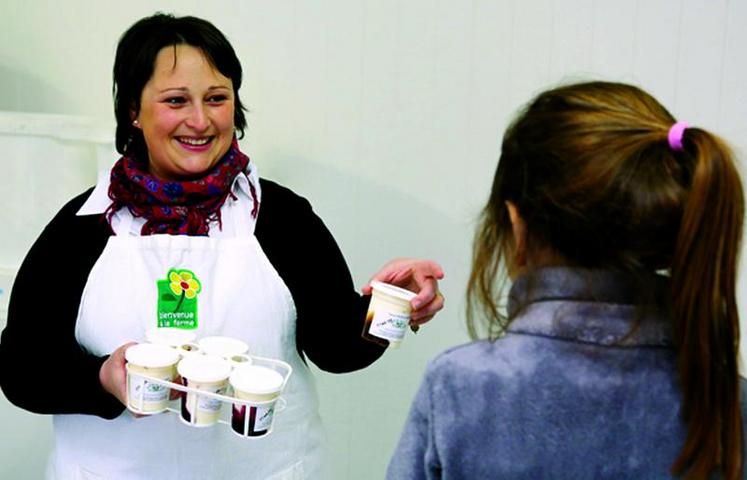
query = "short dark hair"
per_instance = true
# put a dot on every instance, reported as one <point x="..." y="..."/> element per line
<point x="135" y="60"/>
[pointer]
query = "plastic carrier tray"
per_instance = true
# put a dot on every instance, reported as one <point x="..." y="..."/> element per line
<point x="274" y="405"/>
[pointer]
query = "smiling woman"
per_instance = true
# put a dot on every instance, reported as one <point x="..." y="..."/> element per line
<point x="183" y="233"/>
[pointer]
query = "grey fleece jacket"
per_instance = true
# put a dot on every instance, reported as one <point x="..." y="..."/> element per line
<point x="574" y="390"/>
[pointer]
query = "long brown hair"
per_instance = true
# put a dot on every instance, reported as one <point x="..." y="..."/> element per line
<point x="591" y="172"/>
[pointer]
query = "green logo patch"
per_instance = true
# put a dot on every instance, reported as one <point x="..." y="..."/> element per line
<point x="177" y="299"/>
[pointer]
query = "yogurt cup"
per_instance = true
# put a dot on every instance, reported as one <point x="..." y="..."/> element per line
<point x="157" y="361"/>
<point x="388" y="314"/>
<point x="225" y="347"/>
<point x="261" y="385"/>
<point x="205" y="373"/>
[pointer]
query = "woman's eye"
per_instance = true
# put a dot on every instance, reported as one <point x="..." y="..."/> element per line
<point x="217" y="98"/>
<point x="176" y="100"/>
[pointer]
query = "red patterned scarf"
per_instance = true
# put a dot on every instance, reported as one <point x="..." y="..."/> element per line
<point x="176" y="207"/>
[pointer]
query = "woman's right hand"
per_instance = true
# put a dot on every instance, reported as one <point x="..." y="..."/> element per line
<point x="113" y="374"/>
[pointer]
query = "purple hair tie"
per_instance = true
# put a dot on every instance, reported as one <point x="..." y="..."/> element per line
<point x="676" y="132"/>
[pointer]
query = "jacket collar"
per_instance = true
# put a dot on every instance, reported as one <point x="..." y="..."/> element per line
<point x="591" y="306"/>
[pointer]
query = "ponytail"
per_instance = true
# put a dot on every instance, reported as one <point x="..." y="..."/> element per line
<point x="704" y="311"/>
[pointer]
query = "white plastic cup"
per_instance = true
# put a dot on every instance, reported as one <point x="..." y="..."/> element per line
<point x="225" y="347"/>
<point x="388" y="315"/>
<point x="205" y="373"/>
<point x="157" y="361"/>
<point x="258" y="384"/>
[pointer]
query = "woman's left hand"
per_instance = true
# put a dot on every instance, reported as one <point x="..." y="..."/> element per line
<point x="419" y="276"/>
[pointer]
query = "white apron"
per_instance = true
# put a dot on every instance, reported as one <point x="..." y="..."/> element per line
<point x="242" y="296"/>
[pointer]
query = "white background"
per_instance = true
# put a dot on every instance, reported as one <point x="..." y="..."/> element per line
<point x="386" y="114"/>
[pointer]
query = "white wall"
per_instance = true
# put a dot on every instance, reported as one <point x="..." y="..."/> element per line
<point x="387" y="115"/>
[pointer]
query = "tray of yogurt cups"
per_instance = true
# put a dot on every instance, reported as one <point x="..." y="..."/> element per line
<point x="216" y="372"/>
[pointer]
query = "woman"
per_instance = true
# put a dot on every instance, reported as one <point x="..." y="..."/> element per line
<point x="618" y="356"/>
<point x="183" y="200"/>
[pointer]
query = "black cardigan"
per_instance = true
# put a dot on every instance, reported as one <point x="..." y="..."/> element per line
<point x="44" y="370"/>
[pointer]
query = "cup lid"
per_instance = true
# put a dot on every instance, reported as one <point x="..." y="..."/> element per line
<point x="223" y="346"/>
<point x="204" y="368"/>
<point x="393" y="290"/>
<point x="170" y="336"/>
<point x="256" y="379"/>
<point x="151" y="355"/>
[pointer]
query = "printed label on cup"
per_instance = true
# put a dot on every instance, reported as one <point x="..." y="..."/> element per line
<point x="145" y="396"/>
<point x="388" y="314"/>
<point x="255" y="423"/>
<point x="208" y="374"/>
<point x="389" y="325"/>
<point x="199" y="410"/>
<point x="156" y="361"/>
<point x="262" y="385"/>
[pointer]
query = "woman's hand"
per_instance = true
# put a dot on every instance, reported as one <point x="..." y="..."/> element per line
<point x="419" y="276"/>
<point x="113" y="374"/>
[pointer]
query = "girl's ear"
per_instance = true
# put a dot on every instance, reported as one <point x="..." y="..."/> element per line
<point x="519" y="228"/>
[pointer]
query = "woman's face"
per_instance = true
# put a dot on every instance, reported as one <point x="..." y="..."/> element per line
<point x="186" y="114"/>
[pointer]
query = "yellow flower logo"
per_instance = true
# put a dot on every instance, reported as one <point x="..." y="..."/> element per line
<point x="183" y="282"/>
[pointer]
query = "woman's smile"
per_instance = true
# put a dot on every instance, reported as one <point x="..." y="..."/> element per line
<point x="195" y="144"/>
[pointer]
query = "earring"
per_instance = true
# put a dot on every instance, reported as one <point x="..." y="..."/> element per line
<point x="135" y="123"/>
